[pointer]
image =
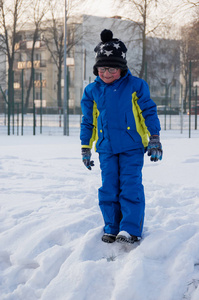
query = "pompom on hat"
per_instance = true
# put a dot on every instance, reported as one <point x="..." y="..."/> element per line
<point x="110" y="52"/>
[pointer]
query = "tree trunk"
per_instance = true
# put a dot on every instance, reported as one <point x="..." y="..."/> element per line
<point x="32" y="67"/>
<point x="144" y="16"/>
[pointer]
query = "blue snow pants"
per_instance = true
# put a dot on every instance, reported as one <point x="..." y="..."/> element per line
<point x="121" y="197"/>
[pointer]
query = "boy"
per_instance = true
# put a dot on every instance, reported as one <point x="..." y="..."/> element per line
<point x="120" y="116"/>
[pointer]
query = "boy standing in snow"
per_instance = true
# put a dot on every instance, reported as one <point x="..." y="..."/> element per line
<point x="120" y="116"/>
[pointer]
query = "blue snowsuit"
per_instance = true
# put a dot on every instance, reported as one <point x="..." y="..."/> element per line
<point x="120" y="117"/>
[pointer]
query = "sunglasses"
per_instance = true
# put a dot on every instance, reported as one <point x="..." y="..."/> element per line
<point x="110" y="70"/>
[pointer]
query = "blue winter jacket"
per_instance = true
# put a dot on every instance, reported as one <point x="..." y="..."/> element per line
<point x="119" y="116"/>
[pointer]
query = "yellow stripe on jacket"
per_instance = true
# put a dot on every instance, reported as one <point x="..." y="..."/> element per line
<point x="94" y="136"/>
<point x="139" y="120"/>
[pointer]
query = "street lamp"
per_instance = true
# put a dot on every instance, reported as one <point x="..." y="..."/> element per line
<point x="190" y="82"/>
<point x="189" y="98"/>
<point x="65" y="104"/>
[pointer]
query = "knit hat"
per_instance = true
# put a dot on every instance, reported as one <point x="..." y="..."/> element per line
<point x="110" y="52"/>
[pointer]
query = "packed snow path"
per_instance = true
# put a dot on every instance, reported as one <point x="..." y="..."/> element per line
<point x="51" y="226"/>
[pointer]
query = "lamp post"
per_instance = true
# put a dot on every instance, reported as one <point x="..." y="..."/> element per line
<point x="189" y="98"/>
<point x="65" y="104"/>
<point x="190" y="86"/>
<point x="196" y="107"/>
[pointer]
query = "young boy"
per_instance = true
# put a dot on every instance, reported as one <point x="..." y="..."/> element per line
<point x="120" y="116"/>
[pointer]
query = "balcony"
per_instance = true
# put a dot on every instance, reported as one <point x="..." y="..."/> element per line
<point x="19" y="65"/>
<point x="27" y="45"/>
<point x="37" y="84"/>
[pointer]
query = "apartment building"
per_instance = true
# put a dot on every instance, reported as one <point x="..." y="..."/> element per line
<point x="83" y="34"/>
<point x="44" y="71"/>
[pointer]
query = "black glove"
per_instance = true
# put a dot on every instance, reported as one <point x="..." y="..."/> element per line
<point x="86" y="156"/>
<point x="155" y="148"/>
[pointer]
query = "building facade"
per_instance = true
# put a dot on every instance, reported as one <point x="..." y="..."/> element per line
<point x="162" y="70"/>
<point x="44" y="71"/>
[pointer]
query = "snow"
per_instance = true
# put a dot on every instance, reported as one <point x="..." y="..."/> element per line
<point x="51" y="225"/>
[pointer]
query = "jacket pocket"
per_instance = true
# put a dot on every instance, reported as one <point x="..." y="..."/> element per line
<point x="131" y="127"/>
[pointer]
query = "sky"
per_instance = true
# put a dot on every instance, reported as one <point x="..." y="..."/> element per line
<point x="176" y="11"/>
<point x="109" y="8"/>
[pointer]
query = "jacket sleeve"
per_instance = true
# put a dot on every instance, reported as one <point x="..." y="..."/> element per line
<point x="89" y="119"/>
<point x="148" y="109"/>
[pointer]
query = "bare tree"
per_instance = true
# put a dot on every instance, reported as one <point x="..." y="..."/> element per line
<point x="189" y="52"/>
<point x="54" y="40"/>
<point x="10" y="15"/>
<point x="163" y="61"/>
<point x="185" y="64"/>
<point x="141" y="16"/>
<point x="191" y="2"/>
<point x="39" y="12"/>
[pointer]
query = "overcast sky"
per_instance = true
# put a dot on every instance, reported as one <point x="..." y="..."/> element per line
<point x="109" y="8"/>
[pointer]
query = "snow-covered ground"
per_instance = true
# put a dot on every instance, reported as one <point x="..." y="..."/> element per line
<point x="51" y="226"/>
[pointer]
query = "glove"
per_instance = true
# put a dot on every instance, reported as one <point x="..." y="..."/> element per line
<point x="155" y="148"/>
<point x="86" y="156"/>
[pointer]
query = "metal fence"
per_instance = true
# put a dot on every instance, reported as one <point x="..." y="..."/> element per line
<point x="48" y="122"/>
<point x="53" y="123"/>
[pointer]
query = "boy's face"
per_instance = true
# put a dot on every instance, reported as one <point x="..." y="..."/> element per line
<point x="108" y="75"/>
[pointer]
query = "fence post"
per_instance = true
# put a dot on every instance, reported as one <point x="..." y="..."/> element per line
<point x="34" y="116"/>
<point x="65" y="102"/>
<point x="10" y="96"/>
<point x="8" y="115"/>
<point x="68" y="129"/>
<point x="22" y="103"/>
<point x="13" y="105"/>
<point x="60" y="113"/>
<point x="189" y="99"/>
<point x="196" y="108"/>
<point x="17" y="118"/>
<point x="5" y="113"/>
<point x="165" y="111"/>
<point x="181" y="118"/>
<point x="41" y="106"/>
<point x="170" y="106"/>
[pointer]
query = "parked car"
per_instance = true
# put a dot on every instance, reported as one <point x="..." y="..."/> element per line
<point x="194" y="110"/>
<point x="162" y="110"/>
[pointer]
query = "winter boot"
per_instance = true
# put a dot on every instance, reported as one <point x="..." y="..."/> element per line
<point x="108" y="238"/>
<point x="125" y="237"/>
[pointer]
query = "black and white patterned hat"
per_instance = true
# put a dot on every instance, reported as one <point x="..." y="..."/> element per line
<point x="110" y="52"/>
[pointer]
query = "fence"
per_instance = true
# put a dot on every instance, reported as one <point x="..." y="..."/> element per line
<point x="51" y="122"/>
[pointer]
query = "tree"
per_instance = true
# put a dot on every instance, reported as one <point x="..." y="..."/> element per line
<point x="141" y="12"/>
<point x="163" y="65"/>
<point x="189" y="52"/>
<point x="54" y="40"/>
<point x="185" y="64"/>
<point x="10" y="15"/>
<point x="192" y="3"/>
<point x="39" y="12"/>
